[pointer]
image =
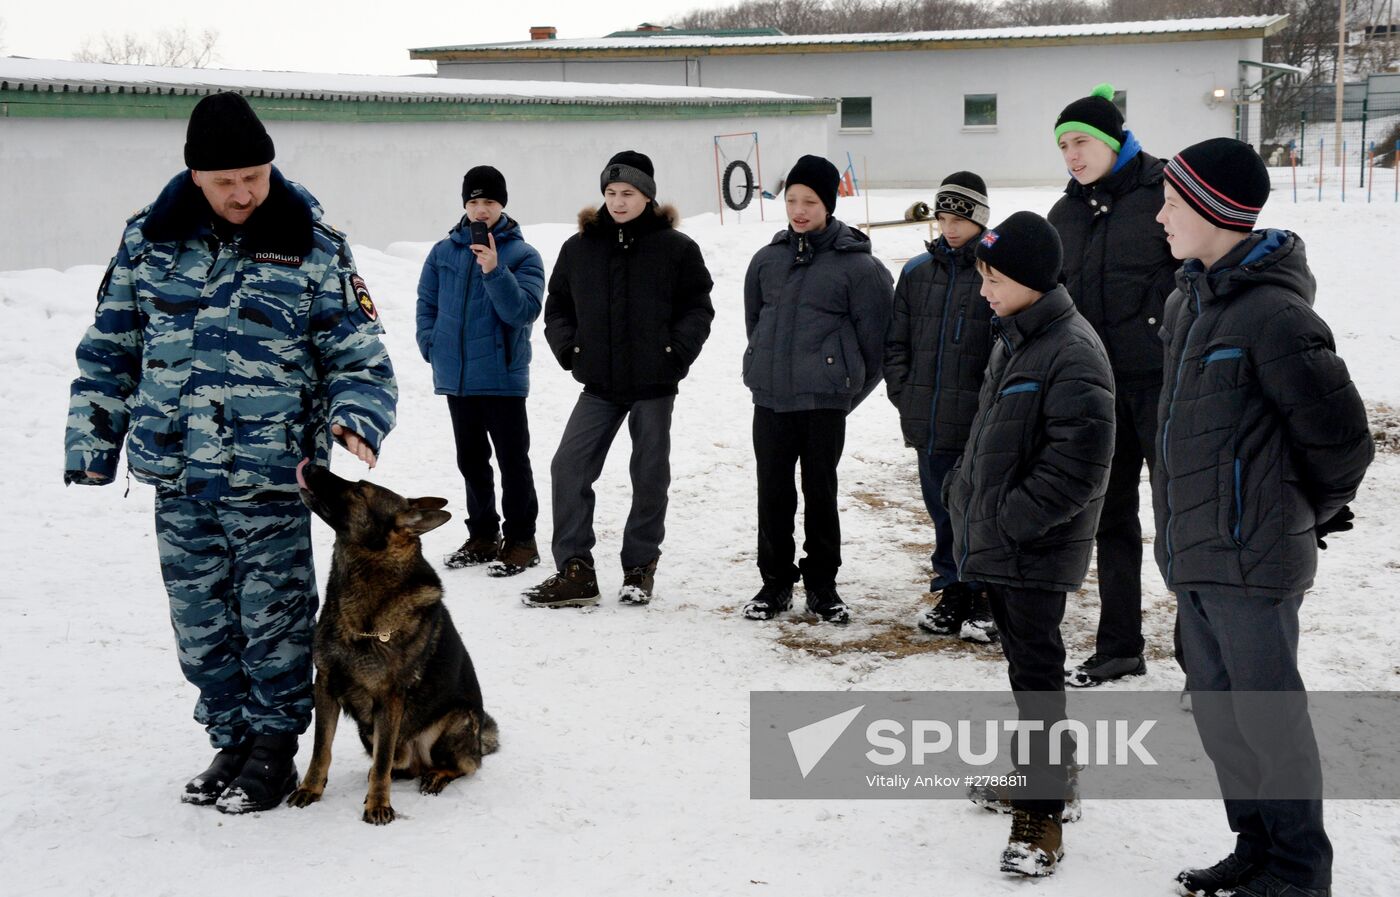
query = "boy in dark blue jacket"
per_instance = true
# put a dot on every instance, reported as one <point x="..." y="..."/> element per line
<point x="935" y="356"/>
<point x="1263" y="442"/>
<point x="1026" y="496"/>
<point x="476" y="302"/>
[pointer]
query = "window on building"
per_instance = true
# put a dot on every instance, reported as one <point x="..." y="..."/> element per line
<point x="979" y="110"/>
<point x="856" y="113"/>
<point x="1120" y="99"/>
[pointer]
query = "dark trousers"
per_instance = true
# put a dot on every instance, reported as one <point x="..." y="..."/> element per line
<point x="478" y="422"/>
<point x="1119" y="536"/>
<point x="932" y="470"/>
<point x="1262" y="743"/>
<point x="579" y="462"/>
<point x="1029" y="623"/>
<point x="781" y="441"/>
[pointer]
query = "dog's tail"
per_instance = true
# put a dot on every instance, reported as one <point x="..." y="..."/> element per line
<point x="490" y="735"/>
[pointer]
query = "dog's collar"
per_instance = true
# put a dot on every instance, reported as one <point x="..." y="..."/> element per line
<point x="382" y="636"/>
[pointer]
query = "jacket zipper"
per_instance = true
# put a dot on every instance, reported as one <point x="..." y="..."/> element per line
<point x="1239" y="503"/>
<point x="1167" y="426"/>
<point x="972" y="461"/>
<point x="938" y="363"/>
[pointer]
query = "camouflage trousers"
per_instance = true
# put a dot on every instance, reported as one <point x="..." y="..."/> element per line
<point x="243" y="604"/>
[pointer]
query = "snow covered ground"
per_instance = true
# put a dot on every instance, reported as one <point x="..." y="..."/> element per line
<point x="624" y="759"/>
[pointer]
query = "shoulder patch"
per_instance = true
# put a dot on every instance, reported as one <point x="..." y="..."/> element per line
<point x="362" y="299"/>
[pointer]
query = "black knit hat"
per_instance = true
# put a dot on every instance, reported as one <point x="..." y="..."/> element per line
<point x="1026" y="249"/>
<point x="964" y="194"/>
<point x="484" y="182"/>
<point x="1096" y="116"/>
<point x="224" y="133"/>
<point x="818" y="174"/>
<point x="629" y="167"/>
<point x="1223" y="180"/>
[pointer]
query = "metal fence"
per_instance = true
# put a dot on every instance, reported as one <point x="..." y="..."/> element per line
<point x="1306" y="126"/>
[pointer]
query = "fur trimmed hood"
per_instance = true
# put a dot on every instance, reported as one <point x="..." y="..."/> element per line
<point x="656" y="217"/>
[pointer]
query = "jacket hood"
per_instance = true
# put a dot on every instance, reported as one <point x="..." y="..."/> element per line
<point x="1270" y="257"/>
<point x="594" y="220"/>
<point x="1042" y="314"/>
<point x="283" y="223"/>
<point x="1135" y="168"/>
<point x="837" y="236"/>
<point x="506" y="229"/>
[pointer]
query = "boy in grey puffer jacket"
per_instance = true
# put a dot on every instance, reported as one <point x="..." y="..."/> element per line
<point x="816" y="306"/>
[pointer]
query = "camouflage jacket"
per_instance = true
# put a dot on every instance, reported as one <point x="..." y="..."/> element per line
<point x="225" y="363"/>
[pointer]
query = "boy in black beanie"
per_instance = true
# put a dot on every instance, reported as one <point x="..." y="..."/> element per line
<point x="477" y="303"/>
<point x="628" y="312"/>
<point x="1118" y="269"/>
<point x="935" y="356"/>
<point x="1264" y="441"/>
<point x="816" y="307"/>
<point x="1025" y="500"/>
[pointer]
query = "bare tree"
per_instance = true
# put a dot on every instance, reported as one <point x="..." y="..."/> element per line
<point x="174" y="47"/>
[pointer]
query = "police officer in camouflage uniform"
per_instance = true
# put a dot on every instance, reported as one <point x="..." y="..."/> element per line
<point x="232" y="339"/>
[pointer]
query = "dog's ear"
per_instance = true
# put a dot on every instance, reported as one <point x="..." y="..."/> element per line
<point x="427" y="504"/>
<point x="420" y="522"/>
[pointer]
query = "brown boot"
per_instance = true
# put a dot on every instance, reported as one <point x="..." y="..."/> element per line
<point x="476" y="550"/>
<point x="1035" y="846"/>
<point x="574" y="586"/>
<point x="637" y="584"/>
<point x="515" y="557"/>
<point x="997" y="798"/>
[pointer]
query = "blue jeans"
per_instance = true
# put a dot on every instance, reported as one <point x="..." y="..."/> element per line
<point x="932" y="469"/>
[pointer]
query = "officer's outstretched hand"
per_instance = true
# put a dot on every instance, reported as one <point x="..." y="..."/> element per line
<point x="1340" y="523"/>
<point x="354" y="444"/>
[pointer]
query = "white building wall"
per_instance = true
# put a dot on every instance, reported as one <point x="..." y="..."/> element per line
<point x="66" y="185"/>
<point x="918" y="134"/>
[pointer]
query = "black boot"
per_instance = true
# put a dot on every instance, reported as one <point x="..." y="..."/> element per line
<point x="205" y="788"/>
<point x="825" y="602"/>
<point x="268" y="776"/>
<point x="1225" y="876"/>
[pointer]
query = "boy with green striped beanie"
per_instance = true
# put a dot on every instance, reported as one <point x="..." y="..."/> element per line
<point x="1119" y="270"/>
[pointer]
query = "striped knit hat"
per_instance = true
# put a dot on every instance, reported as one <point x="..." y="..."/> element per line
<point x="1223" y="180"/>
<point x="964" y="194"/>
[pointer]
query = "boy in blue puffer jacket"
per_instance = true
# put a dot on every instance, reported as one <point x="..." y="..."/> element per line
<point x="476" y="304"/>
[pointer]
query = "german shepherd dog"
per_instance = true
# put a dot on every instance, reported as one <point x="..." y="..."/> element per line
<point x="385" y="649"/>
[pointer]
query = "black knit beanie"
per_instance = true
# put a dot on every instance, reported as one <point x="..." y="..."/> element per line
<point x="1096" y="116"/>
<point x="484" y="182"/>
<point x="1223" y="180"/>
<point x="1026" y="249"/>
<point x="224" y="133"/>
<point x="630" y="167"/>
<point x="964" y="194"/>
<point x="819" y="175"/>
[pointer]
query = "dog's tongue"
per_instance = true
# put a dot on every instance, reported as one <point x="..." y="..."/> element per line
<point x="301" y="480"/>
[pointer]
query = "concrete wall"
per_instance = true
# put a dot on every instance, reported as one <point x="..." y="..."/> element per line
<point x="66" y="185"/>
<point x="918" y="134"/>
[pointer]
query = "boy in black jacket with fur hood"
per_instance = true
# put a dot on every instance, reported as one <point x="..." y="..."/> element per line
<point x="1026" y="496"/>
<point x="628" y="311"/>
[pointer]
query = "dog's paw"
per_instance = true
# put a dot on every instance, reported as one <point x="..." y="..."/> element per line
<point x="303" y="797"/>
<point x="434" y="782"/>
<point x="379" y="815"/>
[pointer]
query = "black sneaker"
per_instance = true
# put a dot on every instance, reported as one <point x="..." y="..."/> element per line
<point x="774" y="598"/>
<point x="205" y="788"/>
<point x="1266" y="885"/>
<point x="1097" y="670"/>
<point x="979" y="625"/>
<point x="475" y="551"/>
<point x="574" y="586"/>
<point x="827" y="604"/>
<point x="1219" y="879"/>
<point x="948" y="615"/>
<point x="637" y="584"/>
<point x="267" y="778"/>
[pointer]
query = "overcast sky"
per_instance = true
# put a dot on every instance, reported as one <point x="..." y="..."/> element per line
<point x="316" y="35"/>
